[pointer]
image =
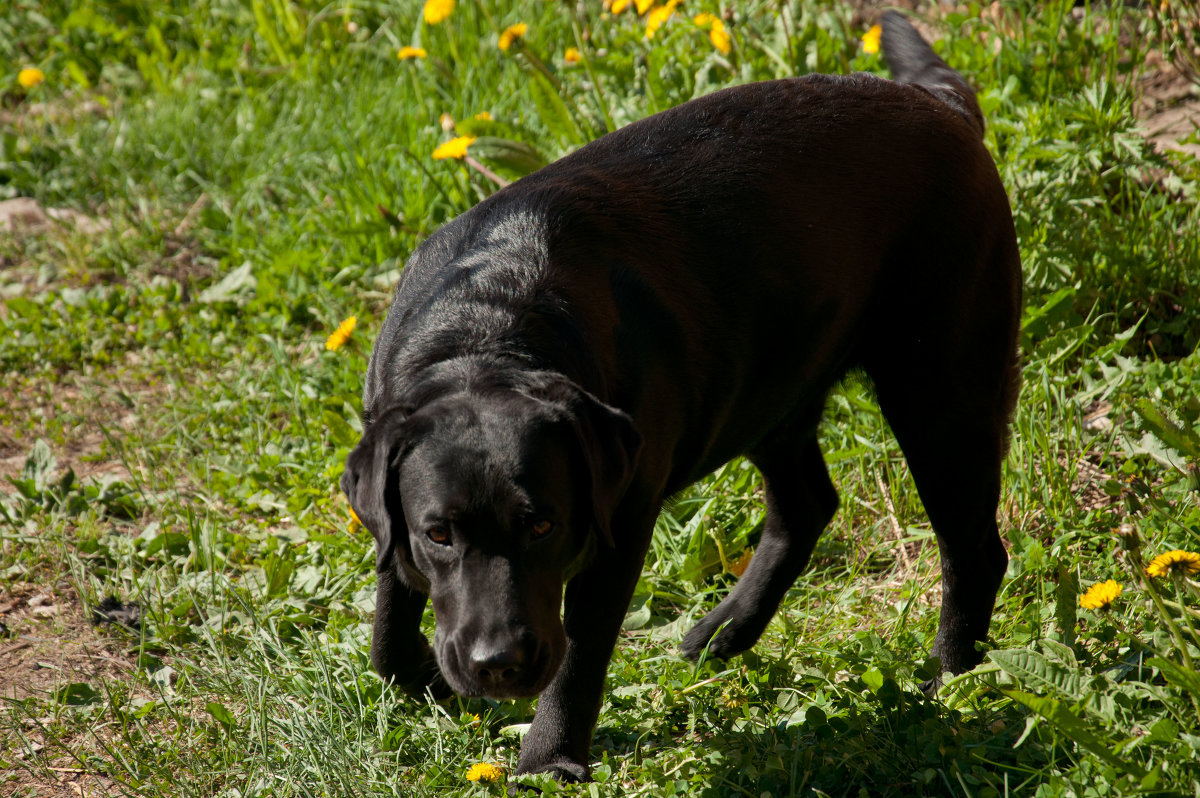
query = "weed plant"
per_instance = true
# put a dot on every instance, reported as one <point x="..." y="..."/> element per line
<point x="259" y="171"/>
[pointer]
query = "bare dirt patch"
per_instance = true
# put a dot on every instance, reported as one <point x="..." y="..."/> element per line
<point x="75" y="417"/>
<point x="47" y="644"/>
<point x="23" y="215"/>
<point x="1169" y="107"/>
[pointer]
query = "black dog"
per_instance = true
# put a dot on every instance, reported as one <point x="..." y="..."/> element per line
<point x="564" y="356"/>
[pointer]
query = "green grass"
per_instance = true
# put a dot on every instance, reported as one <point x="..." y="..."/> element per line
<point x="185" y="427"/>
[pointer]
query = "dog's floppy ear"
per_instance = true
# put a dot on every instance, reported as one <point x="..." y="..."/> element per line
<point x="610" y="442"/>
<point x="370" y="484"/>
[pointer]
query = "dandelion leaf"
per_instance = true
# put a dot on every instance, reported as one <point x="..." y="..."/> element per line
<point x="1033" y="670"/>
<point x="40" y="466"/>
<point x="234" y="286"/>
<point x="1181" y="439"/>
<point x="1075" y="728"/>
<point x="1066" y="597"/>
<point x="512" y="156"/>
<point x="552" y="110"/>
<point x="1177" y="675"/>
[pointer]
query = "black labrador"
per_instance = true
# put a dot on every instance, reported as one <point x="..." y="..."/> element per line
<point x="569" y="353"/>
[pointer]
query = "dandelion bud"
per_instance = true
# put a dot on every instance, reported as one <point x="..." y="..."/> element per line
<point x="1128" y="536"/>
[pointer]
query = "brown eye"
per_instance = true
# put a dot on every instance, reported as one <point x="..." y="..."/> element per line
<point x="541" y="528"/>
<point x="438" y="535"/>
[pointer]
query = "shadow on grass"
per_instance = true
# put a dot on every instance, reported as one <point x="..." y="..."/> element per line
<point x="902" y="745"/>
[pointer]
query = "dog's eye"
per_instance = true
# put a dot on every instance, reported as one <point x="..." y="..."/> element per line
<point x="541" y="528"/>
<point x="439" y="535"/>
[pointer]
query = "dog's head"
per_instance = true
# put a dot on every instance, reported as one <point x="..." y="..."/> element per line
<point x="489" y="501"/>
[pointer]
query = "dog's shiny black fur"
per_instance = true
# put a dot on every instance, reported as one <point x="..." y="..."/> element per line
<point x="587" y="341"/>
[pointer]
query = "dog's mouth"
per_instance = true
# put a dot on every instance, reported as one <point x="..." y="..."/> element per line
<point x="502" y="680"/>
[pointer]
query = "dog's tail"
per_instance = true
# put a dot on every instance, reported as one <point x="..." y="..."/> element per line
<point x="912" y="60"/>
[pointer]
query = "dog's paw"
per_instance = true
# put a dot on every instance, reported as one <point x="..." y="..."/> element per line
<point x="417" y="679"/>
<point x="426" y="683"/>
<point x="563" y="771"/>
<point x="412" y="667"/>
<point x="731" y="637"/>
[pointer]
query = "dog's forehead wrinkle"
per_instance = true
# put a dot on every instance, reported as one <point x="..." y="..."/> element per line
<point x="462" y="472"/>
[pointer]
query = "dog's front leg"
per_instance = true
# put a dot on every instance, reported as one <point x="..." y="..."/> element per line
<point x="595" y="604"/>
<point x="399" y="652"/>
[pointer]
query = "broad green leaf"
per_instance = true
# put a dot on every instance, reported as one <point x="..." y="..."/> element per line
<point x="39" y="466"/>
<point x="220" y="714"/>
<point x="552" y="110"/>
<point x="170" y="542"/>
<point x="873" y="679"/>
<point x="1053" y="311"/>
<point x="1182" y="439"/>
<point x="512" y="155"/>
<point x="1074" y="727"/>
<point x="1062" y="345"/>
<point x="1164" y="730"/>
<point x="1061" y="652"/>
<point x="1035" y="671"/>
<point x="76" y="694"/>
<point x="1118" y="342"/>
<point x="1177" y="674"/>
<point x="232" y="287"/>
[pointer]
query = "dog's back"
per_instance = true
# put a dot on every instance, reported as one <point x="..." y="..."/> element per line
<point x="800" y="204"/>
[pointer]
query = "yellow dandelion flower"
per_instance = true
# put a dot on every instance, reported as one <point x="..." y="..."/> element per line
<point x="355" y="523"/>
<point x="471" y="719"/>
<point x="485" y="772"/>
<point x="720" y="37"/>
<point x="658" y="16"/>
<point x="572" y="56"/>
<point x="405" y="53"/>
<point x="511" y="34"/>
<point x="341" y="335"/>
<point x="30" y="77"/>
<point x="437" y="10"/>
<point x="483" y="116"/>
<point x="870" y="39"/>
<point x="454" y="148"/>
<point x="1100" y="595"/>
<point x="643" y="6"/>
<point x="704" y="20"/>
<point x="619" y="5"/>
<point x="1184" y="562"/>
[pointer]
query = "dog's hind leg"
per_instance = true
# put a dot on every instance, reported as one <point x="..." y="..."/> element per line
<point x="956" y="462"/>
<point x="800" y="502"/>
<point x="950" y="416"/>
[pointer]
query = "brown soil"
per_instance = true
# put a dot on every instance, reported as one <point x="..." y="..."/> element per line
<point x="1169" y="107"/>
<point x="46" y="643"/>
<point x="91" y="405"/>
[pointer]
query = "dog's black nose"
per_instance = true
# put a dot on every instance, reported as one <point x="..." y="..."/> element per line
<point x="497" y="665"/>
